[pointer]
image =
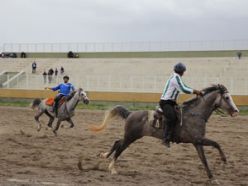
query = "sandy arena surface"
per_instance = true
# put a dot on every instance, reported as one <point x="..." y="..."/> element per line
<point x="28" y="157"/>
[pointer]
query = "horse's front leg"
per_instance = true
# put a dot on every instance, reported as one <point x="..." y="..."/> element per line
<point x="36" y="117"/>
<point x="57" y="127"/>
<point x="208" y="142"/>
<point x="69" y="120"/>
<point x="51" y="119"/>
<point x="202" y="156"/>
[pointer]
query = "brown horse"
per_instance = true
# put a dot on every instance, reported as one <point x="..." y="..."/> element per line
<point x="190" y="129"/>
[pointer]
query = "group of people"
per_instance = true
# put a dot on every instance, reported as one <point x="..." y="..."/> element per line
<point x="168" y="100"/>
<point x="51" y="73"/>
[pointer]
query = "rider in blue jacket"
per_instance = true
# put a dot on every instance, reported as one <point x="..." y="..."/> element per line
<point x="64" y="90"/>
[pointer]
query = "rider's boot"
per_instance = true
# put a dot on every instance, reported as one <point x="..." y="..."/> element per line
<point x="56" y="112"/>
<point x="55" y="109"/>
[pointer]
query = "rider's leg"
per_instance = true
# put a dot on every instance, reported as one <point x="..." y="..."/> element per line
<point x="170" y="118"/>
<point x="170" y="115"/>
<point x="56" y="103"/>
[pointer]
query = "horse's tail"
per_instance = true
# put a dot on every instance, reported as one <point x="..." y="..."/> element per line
<point x="117" y="111"/>
<point x="36" y="102"/>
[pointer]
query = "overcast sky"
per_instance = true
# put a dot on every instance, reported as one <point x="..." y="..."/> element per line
<point x="25" y="21"/>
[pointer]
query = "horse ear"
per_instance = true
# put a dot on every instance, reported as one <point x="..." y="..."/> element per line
<point x="80" y="89"/>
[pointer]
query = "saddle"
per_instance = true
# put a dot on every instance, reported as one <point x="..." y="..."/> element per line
<point x="158" y="118"/>
<point x="50" y="101"/>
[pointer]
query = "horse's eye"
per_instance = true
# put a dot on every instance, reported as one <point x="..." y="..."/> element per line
<point x="227" y="98"/>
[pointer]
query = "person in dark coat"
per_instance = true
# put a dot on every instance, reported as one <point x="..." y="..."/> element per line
<point x="45" y="76"/>
<point x="50" y="75"/>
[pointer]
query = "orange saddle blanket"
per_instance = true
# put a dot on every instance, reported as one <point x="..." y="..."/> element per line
<point x="50" y="101"/>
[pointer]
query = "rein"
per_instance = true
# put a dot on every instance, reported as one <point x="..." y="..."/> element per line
<point x="216" y="109"/>
<point x="66" y="107"/>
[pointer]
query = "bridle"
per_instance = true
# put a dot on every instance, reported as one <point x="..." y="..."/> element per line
<point x="217" y="105"/>
<point x="83" y="96"/>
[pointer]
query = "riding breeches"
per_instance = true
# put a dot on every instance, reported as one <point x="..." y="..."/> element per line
<point x="57" y="99"/>
<point x="170" y="114"/>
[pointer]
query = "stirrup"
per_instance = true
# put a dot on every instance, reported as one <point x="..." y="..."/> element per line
<point x="159" y="109"/>
<point x="166" y="143"/>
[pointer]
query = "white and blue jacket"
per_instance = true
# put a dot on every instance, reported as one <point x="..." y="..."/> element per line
<point x="173" y="87"/>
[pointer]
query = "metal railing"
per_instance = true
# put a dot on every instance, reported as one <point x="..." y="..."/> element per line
<point x="144" y="46"/>
<point x="151" y="84"/>
<point x="15" y="80"/>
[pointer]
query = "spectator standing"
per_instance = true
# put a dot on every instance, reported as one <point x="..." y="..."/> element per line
<point x="239" y="54"/>
<point x="45" y="76"/>
<point x="62" y="70"/>
<point x="23" y="55"/>
<point x="34" y="66"/>
<point x="50" y="75"/>
<point x="56" y="72"/>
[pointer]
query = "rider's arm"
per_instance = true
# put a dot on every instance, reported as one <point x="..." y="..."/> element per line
<point x="183" y="87"/>
<point x="72" y="88"/>
<point x="55" y="88"/>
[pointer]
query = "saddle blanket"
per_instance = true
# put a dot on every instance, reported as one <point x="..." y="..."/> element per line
<point x="50" y="101"/>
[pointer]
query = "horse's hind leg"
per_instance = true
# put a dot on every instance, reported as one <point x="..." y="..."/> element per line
<point x="208" y="142"/>
<point x="36" y="117"/>
<point x="107" y="154"/>
<point x="120" y="146"/>
<point x="51" y="119"/>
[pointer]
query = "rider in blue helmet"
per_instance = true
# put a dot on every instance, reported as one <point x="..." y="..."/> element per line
<point x="64" y="90"/>
<point x="168" y="101"/>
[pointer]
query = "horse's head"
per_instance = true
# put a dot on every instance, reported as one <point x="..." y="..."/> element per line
<point x="83" y="96"/>
<point x="224" y="101"/>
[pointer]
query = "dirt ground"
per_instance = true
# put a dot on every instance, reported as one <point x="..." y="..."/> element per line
<point x="28" y="157"/>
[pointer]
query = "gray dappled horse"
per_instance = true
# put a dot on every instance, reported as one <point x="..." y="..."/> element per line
<point x="65" y="110"/>
<point x="190" y="129"/>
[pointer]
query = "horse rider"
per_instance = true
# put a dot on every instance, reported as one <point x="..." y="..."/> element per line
<point x="168" y="100"/>
<point x="64" y="90"/>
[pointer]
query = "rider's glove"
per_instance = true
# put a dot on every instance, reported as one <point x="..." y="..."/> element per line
<point x="197" y="92"/>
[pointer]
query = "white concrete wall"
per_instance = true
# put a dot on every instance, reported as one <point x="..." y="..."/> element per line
<point x="142" y="75"/>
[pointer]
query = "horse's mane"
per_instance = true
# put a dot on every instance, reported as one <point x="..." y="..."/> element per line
<point x="70" y="96"/>
<point x="206" y="91"/>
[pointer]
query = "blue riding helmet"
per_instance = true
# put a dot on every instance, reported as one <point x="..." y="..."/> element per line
<point x="179" y="68"/>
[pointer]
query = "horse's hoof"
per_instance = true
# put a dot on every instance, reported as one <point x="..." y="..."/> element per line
<point x="71" y="126"/>
<point x="38" y="129"/>
<point x="80" y="167"/>
<point x="50" y="126"/>
<point x="102" y="155"/>
<point x="55" y="133"/>
<point x="213" y="182"/>
<point x="114" y="172"/>
<point x="224" y="160"/>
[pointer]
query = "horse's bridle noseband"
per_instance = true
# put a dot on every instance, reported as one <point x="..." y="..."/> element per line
<point x="217" y="105"/>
